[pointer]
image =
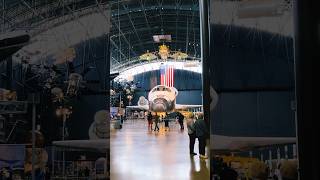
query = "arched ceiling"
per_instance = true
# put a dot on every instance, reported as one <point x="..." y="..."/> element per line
<point x="135" y="22"/>
<point x="36" y="16"/>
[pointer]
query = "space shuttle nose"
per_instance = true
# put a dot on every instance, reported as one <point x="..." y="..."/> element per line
<point x="159" y="108"/>
<point x="161" y="105"/>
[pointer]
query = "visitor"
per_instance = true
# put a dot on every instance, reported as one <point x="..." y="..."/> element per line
<point x="192" y="135"/>
<point x="201" y="133"/>
<point x="47" y="173"/>
<point x="86" y="172"/>
<point x="289" y="170"/>
<point x="166" y="122"/>
<point x="156" y="121"/>
<point x="6" y="174"/>
<point x="149" y="118"/>
<point x="228" y="173"/>
<point x="277" y="173"/>
<point x="180" y="120"/>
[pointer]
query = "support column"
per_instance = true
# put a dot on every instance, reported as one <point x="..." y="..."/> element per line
<point x="204" y="37"/>
<point x="307" y="37"/>
<point x="9" y="73"/>
<point x="33" y="135"/>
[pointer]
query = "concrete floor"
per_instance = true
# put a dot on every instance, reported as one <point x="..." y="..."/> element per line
<point x="139" y="154"/>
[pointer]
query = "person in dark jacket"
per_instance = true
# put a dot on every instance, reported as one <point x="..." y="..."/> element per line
<point x="201" y="133"/>
<point x="149" y="118"/>
<point x="228" y="173"/>
<point x="192" y="135"/>
<point x="166" y="122"/>
<point x="180" y="120"/>
<point x="156" y="121"/>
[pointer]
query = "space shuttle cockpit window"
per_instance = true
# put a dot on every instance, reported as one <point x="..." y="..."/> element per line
<point x="167" y="89"/>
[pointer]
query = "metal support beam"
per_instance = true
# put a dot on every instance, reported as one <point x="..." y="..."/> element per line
<point x="169" y="29"/>
<point x="161" y="8"/>
<point x="125" y="39"/>
<point x="177" y="5"/>
<point x="115" y="45"/>
<point x="148" y="24"/>
<point x="32" y="9"/>
<point x="33" y="137"/>
<point x="133" y="26"/>
<point x="6" y="20"/>
<point x="120" y="32"/>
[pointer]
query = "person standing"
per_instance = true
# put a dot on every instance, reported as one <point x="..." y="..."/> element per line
<point x="149" y="118"/>
<point x="192" y="135"/>
<point x="166" y="122"/>
<point x="180" y="120"/>
<point x="201" y="133"/>
<point x="87" y="172"/>
<point x="228" y="173"/>
<point x="156" y="121"/>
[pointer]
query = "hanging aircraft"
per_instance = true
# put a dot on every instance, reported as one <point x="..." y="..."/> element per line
<point x="163" y="53"/>
<point x="161" y="98"/>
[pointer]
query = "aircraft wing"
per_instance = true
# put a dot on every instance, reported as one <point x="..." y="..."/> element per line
<point x="218" y="142"/>
<point x="99" y="144"/>
<point x="185" y="106"/>
<point x="145" y="108"/>
<point x="12" y="42"/>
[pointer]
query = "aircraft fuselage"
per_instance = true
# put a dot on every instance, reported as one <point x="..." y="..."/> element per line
<point x="162" y="98"/>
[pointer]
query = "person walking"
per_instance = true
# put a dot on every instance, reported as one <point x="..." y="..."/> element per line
<point x="149" y="118"/>
<point x="201" y="133"/>
<point x="192" y="135"/>
<point x="156" y="121"/>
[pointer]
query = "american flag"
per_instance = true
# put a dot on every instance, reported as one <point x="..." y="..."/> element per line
<point x="167" y="75"/>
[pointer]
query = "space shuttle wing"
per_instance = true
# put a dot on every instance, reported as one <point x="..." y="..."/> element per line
<point x="145" y="108"/>
<point x="219" y="142"/>
<point x="185" y="106"/>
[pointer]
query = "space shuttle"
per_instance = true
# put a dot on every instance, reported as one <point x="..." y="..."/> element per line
<point x="161" y="98"/>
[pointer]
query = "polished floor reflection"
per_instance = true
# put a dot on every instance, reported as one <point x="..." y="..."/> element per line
<point x="137" y="153"/>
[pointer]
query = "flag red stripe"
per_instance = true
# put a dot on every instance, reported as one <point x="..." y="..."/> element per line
<point x="167" y="76"/>
<point x="172" y="77"/>
<point x="161" y="79"/>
